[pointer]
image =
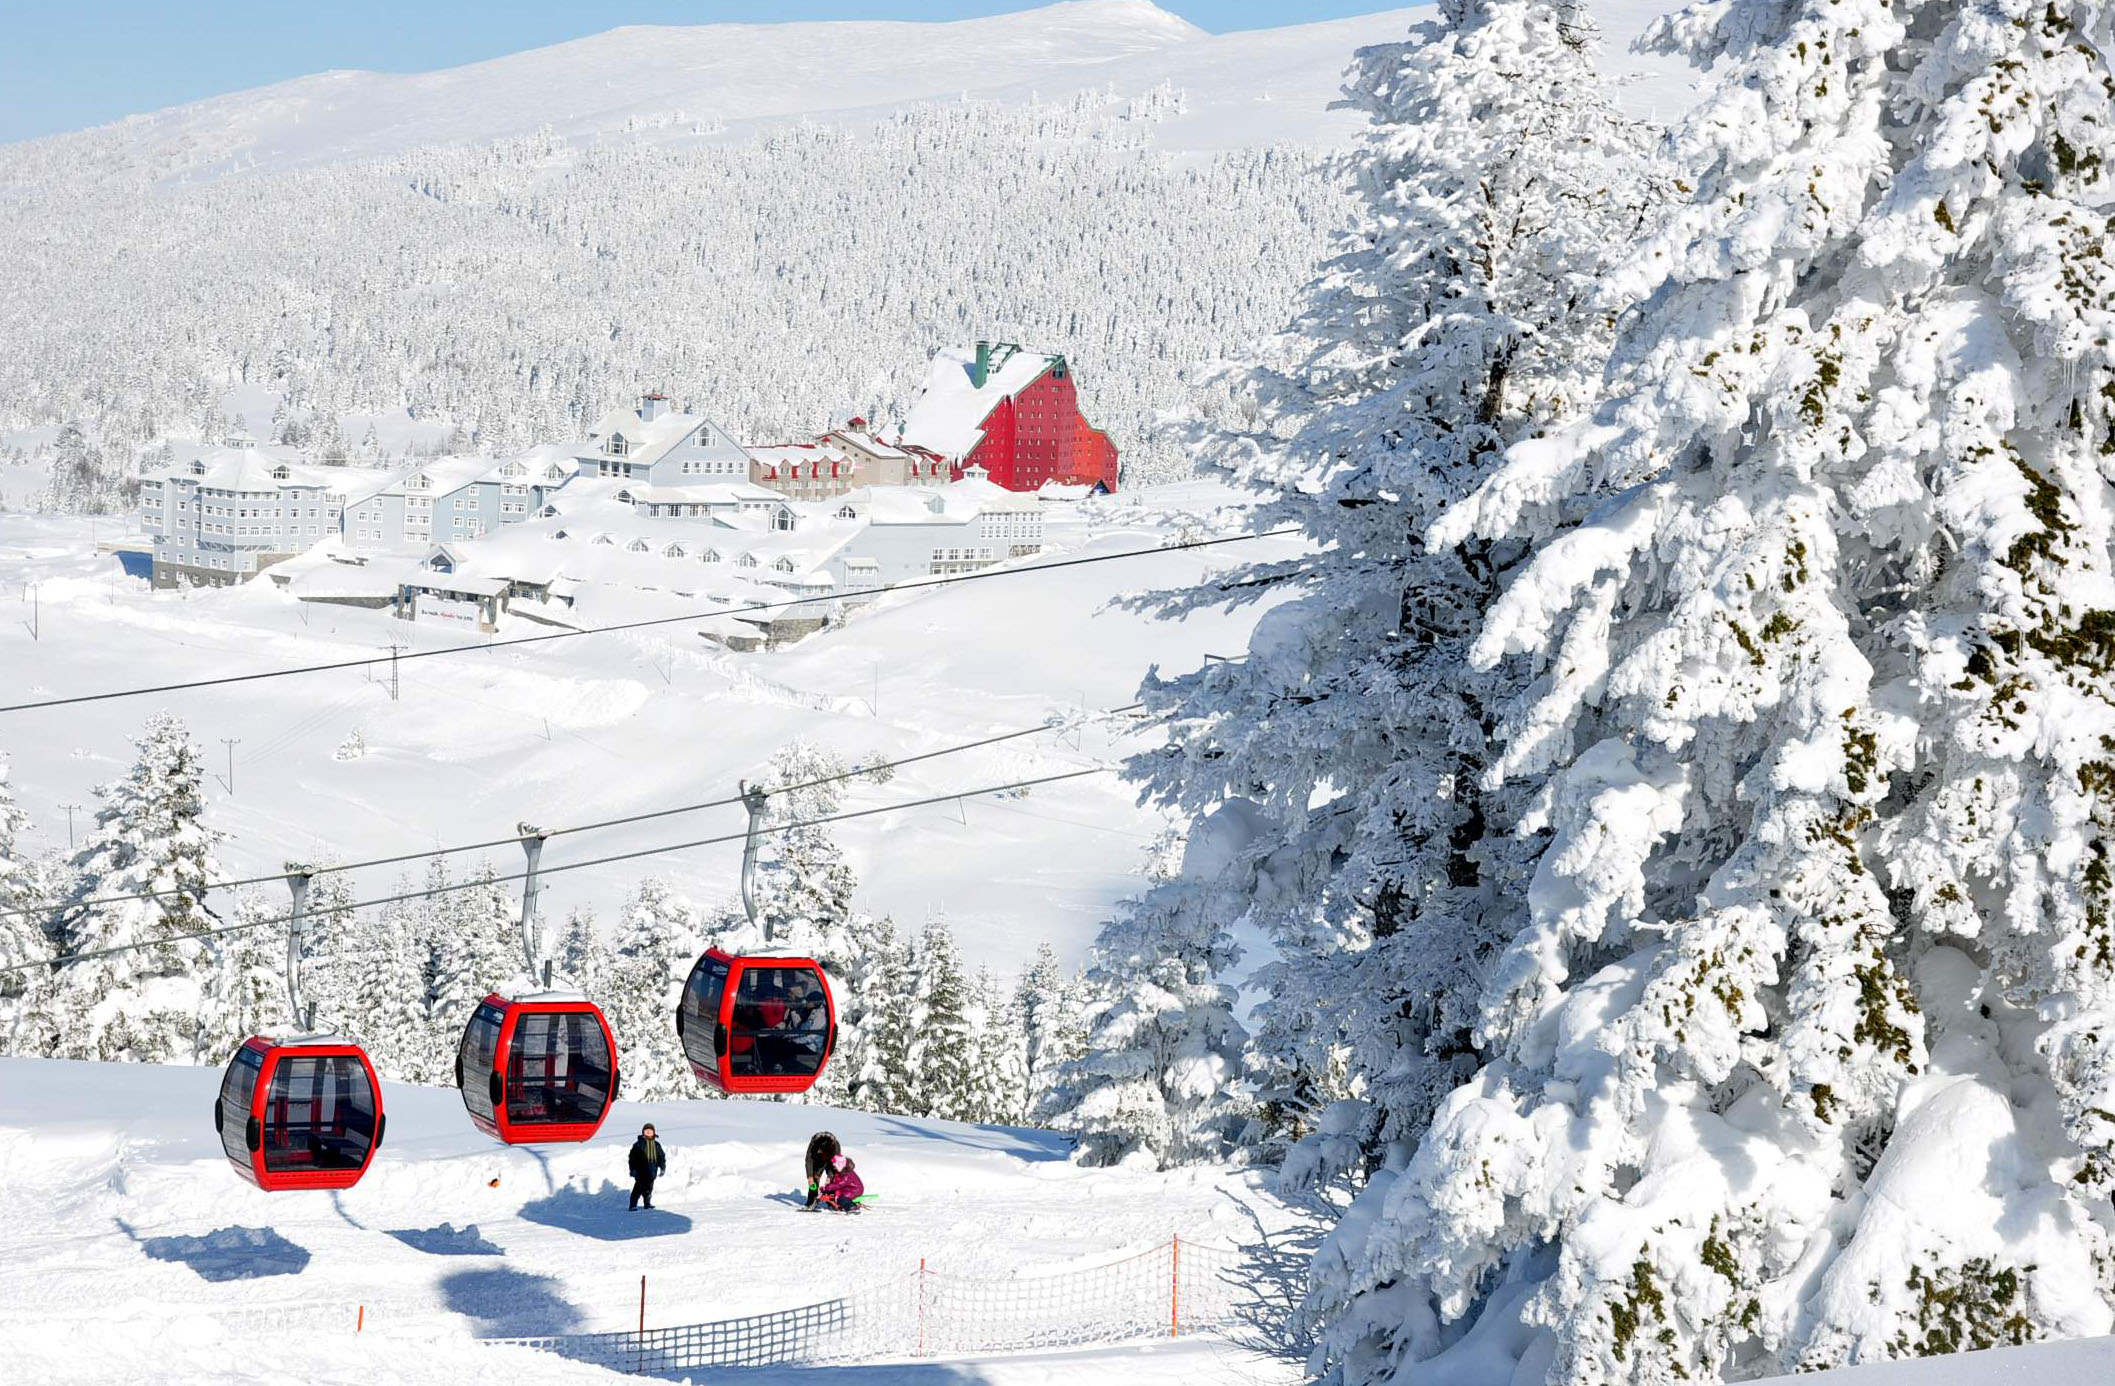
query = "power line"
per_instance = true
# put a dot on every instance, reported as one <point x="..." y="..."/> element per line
<point x="397" y="655"/>
<point x="341" y="868"/>
<point x="482" y="881"/>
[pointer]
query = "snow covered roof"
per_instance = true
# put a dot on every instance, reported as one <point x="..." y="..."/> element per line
<point x="646" y="440"/>
<point x="465" y="583"/>
<point x="443" y="475"/>
<point x="949" y="411"/>
<point x="990" y="495"/>
<point x="598" y="541"/>
<point x="864" y="441"/>
<point x="727" y="493"/>
<point x="257" y="470"/>
<point x="776" y="455"/>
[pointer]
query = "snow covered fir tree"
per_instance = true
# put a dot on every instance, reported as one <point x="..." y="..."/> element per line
<point x="1682" y="799"/>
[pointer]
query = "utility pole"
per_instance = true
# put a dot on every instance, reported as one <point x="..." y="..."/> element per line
<point x="231" y="743"/>
<point x="532" y="838"/>
<point x="35" y="623"/>
<point x="69" y="823"/>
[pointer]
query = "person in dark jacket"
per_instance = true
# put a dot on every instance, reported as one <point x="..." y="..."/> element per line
<point x="822" y="1147"/>
<point x="649" y="1162"/>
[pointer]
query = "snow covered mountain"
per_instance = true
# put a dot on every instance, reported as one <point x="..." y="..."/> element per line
<point x="680" y="84"/>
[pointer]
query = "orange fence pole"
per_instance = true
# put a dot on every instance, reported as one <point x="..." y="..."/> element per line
<point x="360" y="1323"/>
<point x="1175" y="1287"/>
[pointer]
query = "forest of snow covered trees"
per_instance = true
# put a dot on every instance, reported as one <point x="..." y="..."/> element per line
<point x="918" y="1034"/>
<point x="778" y="284"/>
<point x="1678" y="794"/>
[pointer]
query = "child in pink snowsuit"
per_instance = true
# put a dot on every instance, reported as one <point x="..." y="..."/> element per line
<point x="844" y="1186"/>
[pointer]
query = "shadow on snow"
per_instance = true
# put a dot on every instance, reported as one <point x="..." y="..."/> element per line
<point x="509" y="1303"/>
<point x="227" y="1253"/>
<point x="603" y="1215"/>
<point x="447" y="1240"/>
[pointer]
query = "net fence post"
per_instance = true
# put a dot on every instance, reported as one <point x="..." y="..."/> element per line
<point x="921" y="1306"/>
<point x="1175" y="1287"/>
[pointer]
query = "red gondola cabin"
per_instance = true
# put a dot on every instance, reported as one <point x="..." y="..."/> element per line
<point x="757" y="1025"/>
<point x="299" y="1114"/>
<point x="543" y="1068"/>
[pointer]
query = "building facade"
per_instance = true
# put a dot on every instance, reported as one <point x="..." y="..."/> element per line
<point x="457" y="498"/>
<point x="227" y="515"/>
<point x="842" y="460"/>
<point x="1013" y="413"/>
<point x="655" y="443"/>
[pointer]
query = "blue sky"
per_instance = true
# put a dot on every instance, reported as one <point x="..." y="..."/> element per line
<point x="65" y="64"/>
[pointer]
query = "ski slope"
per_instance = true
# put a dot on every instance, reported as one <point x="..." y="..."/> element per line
<point x="130" y="1250"/>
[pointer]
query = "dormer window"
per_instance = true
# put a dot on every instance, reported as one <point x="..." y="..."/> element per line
<point x="674" y="551"/>
<point x="784" y="565"/>
<point x="558" y="534"/>
<point x="198" y="468"/>
<point x="637" y="546"/>
<point x="617" y="447"/>
<point x="709" y="556"/>
<point x="847" y="513"/>
<point x="512" y="470"/>
<point x="280" y="472"/>
<point x="600" y="539"/>
<point x="747" y="560"/>
<point x="419" y="481"/>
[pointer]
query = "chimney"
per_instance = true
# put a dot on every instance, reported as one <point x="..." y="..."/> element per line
<point x="981" y="372"/>
<point x="652" y="406"/>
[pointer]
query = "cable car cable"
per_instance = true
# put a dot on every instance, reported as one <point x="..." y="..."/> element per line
<point x="857" y="772"/>
<point x="396" y="655"/>
<point x="454" y="886"/>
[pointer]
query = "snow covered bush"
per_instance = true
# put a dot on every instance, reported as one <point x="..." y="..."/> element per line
<point x="1156" y="1077"/>
<point x="1796" y="1049"/>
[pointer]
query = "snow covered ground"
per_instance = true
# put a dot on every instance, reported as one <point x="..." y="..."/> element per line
<point x="130" y="1250"/>
<point x="603" y="726"/>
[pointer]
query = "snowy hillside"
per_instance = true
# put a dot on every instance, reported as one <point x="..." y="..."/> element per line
<point x="133" y="1252"/>
<point x="586" y="729"/>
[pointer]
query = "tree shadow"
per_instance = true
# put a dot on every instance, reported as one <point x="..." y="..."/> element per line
<point x="227" y="1253"/>
<point x="1271" y="1283"/>
<point x="509" y="1303"/>
<point x="1022" y="1143"/>
<point x="447" y="1240"/>
<point x="603" y="1215"/>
